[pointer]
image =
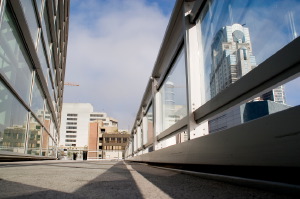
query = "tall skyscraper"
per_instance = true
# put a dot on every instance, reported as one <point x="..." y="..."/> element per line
<point x="232" y="58"/>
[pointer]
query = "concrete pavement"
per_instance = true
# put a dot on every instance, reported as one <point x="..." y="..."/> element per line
<point x="111" y="179"/>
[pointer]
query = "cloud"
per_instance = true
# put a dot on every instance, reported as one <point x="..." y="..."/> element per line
<point x="111" y="52"/>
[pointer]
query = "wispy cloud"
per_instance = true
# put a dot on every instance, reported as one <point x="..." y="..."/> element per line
<point x="112" y="49"/>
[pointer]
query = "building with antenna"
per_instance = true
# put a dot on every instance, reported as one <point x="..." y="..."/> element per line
<point x="33" y="50"/>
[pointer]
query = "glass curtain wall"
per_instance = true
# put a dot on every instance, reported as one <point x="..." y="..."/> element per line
<point x="27" y="121"/>
<point x="14" y="62"/>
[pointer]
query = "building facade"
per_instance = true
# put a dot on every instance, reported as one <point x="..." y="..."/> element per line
<point x="106" y="142"/>
<point x="75" y="125"/>
<point x="33" y="49"/>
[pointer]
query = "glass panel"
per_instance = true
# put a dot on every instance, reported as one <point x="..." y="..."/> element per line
<point x="52" y="127"/>
<point x="173" y="94"/>
<point x="46" y="32"/>
<point x="31" y="19"/>
<point x="13" y="122"/>
<point x="52" y="65"/>
<point x="48" y="117"/>
<point x="51" y="149"/>
<point x="39" y="4"/>
<point x="14" y="62"/>
<point x="37" y="104"/>
<point x="150" y="129"/>
<point x="42" y="57"/>
<point x="247" y="34"/>
<point x="255" y="109"/>
<point x="34" y="137"/>
<point x="45" y="143"/>
<point x="50" y="88"/>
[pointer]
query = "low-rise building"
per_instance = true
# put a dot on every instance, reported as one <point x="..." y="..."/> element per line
<point x="106" y="142"/>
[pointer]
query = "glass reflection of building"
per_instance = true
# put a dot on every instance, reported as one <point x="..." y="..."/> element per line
<point x="232" y="58"/>
<point x="33" y="43"/>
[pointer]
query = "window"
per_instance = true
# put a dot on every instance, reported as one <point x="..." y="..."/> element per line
<point x="34" y="137"/>
<point x="71" y="131"/>
<point x="71" y="127"/>
<point x="250" y="29"/>
<point x="37" y="102"/>
<point x="71" y="118"/>
<point x="68" y="140"/>
<point x="71" y="123"/>
<point x="43" y="60"/>
<point x="45" y="28"/>
<point x="71" y="136"/>
<point x="15" y="65"/>
<point x="31" y="19"/>
<point x="173" y="94"/>
<point x="13" y="120"/>
<point x="96" y="115"/>
<point x="72" y="115"/>
<point x="149" y="127"/>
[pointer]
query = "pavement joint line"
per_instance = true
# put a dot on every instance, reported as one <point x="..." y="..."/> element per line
<point x="147" y="189"/>
<point x="278" y="187"/>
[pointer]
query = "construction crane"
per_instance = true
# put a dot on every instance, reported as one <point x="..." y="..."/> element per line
<point x="71" y="84"/>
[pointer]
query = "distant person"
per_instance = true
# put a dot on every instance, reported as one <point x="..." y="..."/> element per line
<point x="74" y="156"/>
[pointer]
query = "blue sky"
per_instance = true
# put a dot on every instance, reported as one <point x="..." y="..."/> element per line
<point x="112" y="49"/>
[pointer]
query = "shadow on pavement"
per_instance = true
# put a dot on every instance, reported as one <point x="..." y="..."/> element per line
<point x="179" y="186"/>
<point x="115" y="183"/>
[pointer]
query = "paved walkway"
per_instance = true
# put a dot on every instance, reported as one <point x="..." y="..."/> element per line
<point x="111" y="179"/>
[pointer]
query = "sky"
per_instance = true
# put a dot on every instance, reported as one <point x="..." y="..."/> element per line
<point x="113" y="45"/>
<point x="112" y="48"/>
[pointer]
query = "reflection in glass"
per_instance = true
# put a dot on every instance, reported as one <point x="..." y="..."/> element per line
<point x="255" y="109"/>
<point x="173" y="94"/>
<point x="51" y="149"/>
<point x="150" y="127"/>
<point x="39" y="4"/>
<point x="42" y="57"/>
<point x="13" y="120"/>
<point x="46" y="32"/>
<point x="34" y="137"/>
<point x="31" y="19"/>
<point x="37" y="104"/>
<point x="247" y="34"/>
<point x="47" y="119"/>
<point x="14" y="62"/>
<point x="45" y="143"/>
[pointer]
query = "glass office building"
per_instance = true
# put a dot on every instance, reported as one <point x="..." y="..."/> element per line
<point x="33" y="46"/>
